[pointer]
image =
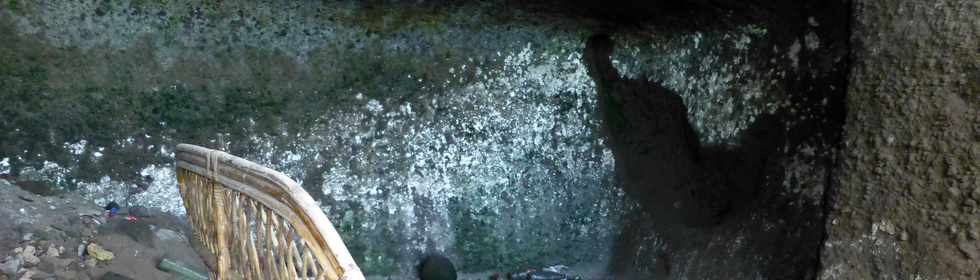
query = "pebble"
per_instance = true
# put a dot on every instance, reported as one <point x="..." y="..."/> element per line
<point x="53" y="252"/>
<point x="28" y="236"/>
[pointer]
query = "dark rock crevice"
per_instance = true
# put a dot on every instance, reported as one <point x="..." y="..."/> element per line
<point x="740" y="210"/>
<point x="659" y="156"/>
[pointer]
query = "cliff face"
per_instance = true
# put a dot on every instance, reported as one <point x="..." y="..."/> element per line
<point x="909" y="183"/>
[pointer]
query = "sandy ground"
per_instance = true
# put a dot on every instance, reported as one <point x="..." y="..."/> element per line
<point x="44" y="237"/>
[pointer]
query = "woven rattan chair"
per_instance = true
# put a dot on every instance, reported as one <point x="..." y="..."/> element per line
<point x="252" y="222"/>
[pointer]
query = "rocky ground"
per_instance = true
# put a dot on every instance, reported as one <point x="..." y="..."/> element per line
<point x="66" y="237"/>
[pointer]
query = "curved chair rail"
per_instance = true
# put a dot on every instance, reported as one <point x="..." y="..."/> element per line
<point x="252" y="222"/>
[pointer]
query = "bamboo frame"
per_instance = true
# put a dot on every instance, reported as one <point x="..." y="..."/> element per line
<point x="252" y="222"/>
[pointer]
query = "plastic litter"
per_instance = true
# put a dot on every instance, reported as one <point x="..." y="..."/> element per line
<point x="111" y="209"/>
<point x="180" y="270"/>
<point x="98" y="253"/>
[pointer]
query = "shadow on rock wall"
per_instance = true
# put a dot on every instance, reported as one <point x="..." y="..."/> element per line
<point x="737" y="210"/>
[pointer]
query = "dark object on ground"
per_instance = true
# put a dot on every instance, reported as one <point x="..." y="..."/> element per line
<point x="180" y="270"/>
<point x="114" y="276"/>
<point x="436" y="267"/>
<point x="112" y="207"/>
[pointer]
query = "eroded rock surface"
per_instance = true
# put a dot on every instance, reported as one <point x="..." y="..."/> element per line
<point x="911" y="156"/>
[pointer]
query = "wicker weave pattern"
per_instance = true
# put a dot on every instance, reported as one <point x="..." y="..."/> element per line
<point x="246" y="216"/>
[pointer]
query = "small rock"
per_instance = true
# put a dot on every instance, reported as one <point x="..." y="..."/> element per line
<point x="969" y="250"/>
<point x="975" y="234"/>
<point x="12" y="265"/>
<point x="28" y="236"/>
<point x="904" y="236"/>
<point x="28" y="255"/>
<point x="53" y="252"/>
<point x="970" y="202"/>
<point x="28" y="250"/>
<point x="98" y="253"/>
<point x="888" y="227"/>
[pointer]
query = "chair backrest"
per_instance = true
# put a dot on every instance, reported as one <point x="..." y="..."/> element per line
<point x="255" y="222"/>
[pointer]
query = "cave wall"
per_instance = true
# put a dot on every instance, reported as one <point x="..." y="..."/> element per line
<point x="909" y="183"/>
<point x="471" y="129"/>
<point x="420" y="128"/>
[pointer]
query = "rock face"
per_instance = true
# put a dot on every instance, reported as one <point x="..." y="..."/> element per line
<point x="905" y="207"/>
<point x="418" y="127"/>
